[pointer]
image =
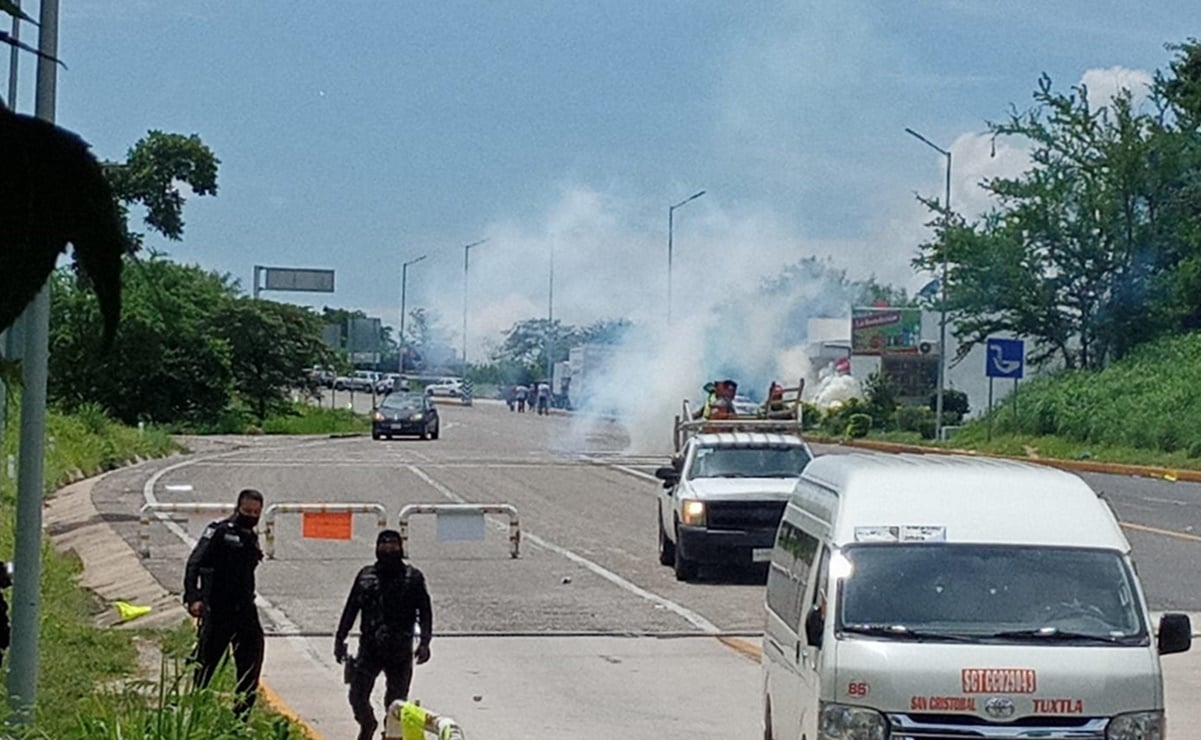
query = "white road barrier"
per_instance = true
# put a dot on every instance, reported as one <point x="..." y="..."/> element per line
<point x="458" y="510"/>
<point x="381" y="516"/>
<point x="162" y="510"/>
<point x="409" y="721"/>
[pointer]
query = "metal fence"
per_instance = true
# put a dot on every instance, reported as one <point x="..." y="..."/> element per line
<point x="381" y="515"/>
<point x="507" y="509"/>
<point x="160" y="510"/>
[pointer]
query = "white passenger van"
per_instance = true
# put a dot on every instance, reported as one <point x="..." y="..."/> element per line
<point x="916" y="597"/>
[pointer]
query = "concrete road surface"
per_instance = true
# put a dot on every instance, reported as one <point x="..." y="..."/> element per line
<point x="585" y="633"/>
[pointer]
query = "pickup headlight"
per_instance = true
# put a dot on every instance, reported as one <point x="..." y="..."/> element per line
<point x="843" y="722"/>
<point x="1136" y="726"/>
<point x="693" y="513"/>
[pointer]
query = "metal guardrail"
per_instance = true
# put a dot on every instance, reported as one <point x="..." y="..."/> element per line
<point x="409" y="721"/>
<point x="161" y="509"/>
<point x="270" y="513"/>
<point x="507" y="509"/>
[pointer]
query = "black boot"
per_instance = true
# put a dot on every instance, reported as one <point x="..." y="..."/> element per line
<point x="366" y="731"/>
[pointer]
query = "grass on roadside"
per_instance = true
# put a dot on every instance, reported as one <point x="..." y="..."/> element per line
<point x="313" y="420"/>
<point x="76" y="659"/>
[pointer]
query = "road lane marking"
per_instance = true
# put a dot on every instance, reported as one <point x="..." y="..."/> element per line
<point x="692" y="617"/>
<point x="633" y="472"/>
<point x="1164" y="532"/>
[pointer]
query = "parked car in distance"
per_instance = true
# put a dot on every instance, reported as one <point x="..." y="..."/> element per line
<point x="406" y="414"/>
<point x="452" y="387"/>
<point x="391" y="383"/>
<point x="361" y="380"/>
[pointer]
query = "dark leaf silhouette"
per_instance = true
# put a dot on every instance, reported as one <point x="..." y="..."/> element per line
<point x="53" y="192"/>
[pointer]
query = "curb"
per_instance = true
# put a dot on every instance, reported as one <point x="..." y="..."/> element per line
<point x="1083" y="466"/>
<point x="73" y="525"/>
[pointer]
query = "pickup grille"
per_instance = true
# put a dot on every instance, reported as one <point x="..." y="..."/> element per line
<point x="745" y="515"/>
<point x="966" y="727"/>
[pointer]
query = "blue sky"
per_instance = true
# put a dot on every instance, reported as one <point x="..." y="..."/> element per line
<point x="357" y="135"/>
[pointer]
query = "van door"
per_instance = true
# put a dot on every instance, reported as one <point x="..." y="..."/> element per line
<point x="783" y="639"/>
<point x="811" y="631"/>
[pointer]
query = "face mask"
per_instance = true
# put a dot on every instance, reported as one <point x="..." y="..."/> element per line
<point x="389" y="561"/>
<point x="244" y="521"/>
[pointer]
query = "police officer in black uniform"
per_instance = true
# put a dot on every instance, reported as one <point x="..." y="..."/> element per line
<point x="219" y="591"/>
<point x="390" y="597"/>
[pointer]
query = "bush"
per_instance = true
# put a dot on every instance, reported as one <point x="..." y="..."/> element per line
<point x="954" y="403"/>
<point x="910" y="418"/>
<point x="858" y="425"/>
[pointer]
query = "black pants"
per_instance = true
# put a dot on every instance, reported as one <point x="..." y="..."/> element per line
<point x="241" y="628"/>
<point x="397" y="667"/>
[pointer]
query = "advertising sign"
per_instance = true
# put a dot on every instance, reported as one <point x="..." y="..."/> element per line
<point x="878" y="331"/>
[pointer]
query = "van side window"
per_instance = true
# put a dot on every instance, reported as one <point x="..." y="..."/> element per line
<point x="791" y="561"/>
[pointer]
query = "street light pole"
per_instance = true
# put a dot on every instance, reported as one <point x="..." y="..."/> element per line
<point x="671" y="210"/>
<point x="404" y="284"/>
<point x="466" y="267"/>
<point x="942" y="283"/>
<point x="548" y="348"/>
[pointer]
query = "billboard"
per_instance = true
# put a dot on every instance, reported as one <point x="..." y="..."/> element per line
<point x="315" y="281"/>
<point x="878" y="331"/>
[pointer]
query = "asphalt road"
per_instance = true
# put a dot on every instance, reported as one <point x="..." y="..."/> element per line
<point x="585" y="631"/>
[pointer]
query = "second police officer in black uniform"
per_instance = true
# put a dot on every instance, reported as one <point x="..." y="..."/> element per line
<point x="389" y="597"/>
<point x="219" y="591"/>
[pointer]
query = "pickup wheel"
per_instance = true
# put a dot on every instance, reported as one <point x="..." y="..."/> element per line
<point x="685" y="569"/>
<point x="667" y="548"/>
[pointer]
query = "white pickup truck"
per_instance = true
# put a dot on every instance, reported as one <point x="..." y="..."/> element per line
<point x="723" y="497"/>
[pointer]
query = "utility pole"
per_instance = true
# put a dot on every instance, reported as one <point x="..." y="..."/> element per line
<point x="401" y="345"/>
<point x="942" y="282"/>
<point x="27" y="559"/>
<point x="466" y="268"/>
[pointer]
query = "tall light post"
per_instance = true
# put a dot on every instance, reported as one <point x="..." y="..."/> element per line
<point x="466" y="268"/>
<point x="671" y="212"/>
<point x="404" y="284"/>
<point x="550" y="319"/>
<point x="942" y="284"/>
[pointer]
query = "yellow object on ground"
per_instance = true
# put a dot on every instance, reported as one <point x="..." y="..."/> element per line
<point x="129" y="611"/>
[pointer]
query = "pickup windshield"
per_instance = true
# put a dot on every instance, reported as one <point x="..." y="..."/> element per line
<point x="1043" y="595"/>
<point x="763" y="461"/>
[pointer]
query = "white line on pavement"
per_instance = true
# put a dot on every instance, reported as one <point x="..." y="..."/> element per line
<point x="692" y="617"/>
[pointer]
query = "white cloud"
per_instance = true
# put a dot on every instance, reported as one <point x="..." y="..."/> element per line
<point x="1104" y="84"/>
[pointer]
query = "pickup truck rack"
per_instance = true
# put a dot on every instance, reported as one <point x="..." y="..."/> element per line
<point x="781" y="414"/>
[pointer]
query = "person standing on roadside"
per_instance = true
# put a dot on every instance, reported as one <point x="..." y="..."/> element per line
<point x="219" y="592"/>
<point x="390" y="598"/>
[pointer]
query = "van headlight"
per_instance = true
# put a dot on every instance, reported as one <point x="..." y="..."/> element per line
<point x="1136" y="726"/>
<point x="843" y="722"/>
<point x="693" y="513"/>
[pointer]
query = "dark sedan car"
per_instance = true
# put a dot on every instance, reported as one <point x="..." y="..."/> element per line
<point x="406" y="413"/>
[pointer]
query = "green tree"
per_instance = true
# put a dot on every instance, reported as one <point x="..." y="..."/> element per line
<point x="271" y="346"/>
<point x="1081" y="253"/>
<point x="169" y="363"/>
<point x="152" y="176"/>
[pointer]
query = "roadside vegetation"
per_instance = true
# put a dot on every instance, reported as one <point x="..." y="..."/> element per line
<point x="90" y="683"/>
<point x="1143" y="409"/>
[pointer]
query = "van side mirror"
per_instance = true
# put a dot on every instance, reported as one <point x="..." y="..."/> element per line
<point x="1175" y="634"/>
<point x="815" y="625"/>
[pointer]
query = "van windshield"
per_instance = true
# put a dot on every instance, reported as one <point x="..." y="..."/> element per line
<point x="763" y="461"/>
<point x="992" y="592"/>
